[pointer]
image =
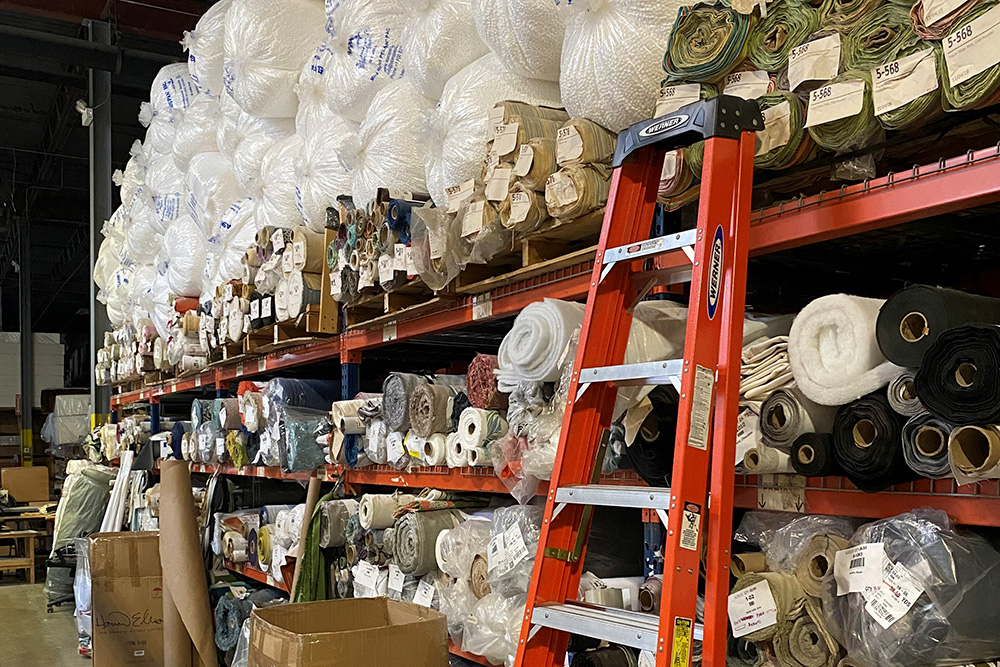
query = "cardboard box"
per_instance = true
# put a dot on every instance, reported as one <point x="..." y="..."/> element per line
<point x="127" y="599"/>
<point x="26" y="484"/>
<point x="374" y="632"/>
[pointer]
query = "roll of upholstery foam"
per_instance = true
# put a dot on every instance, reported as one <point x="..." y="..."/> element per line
<point x="435" y="450"/>
<point x="974" y="452"/>
<point x="537" y="160"/>
<point x="333" y="521"/>
<point x="812" y="455"/>
<point x="416" y="536"/>
<point x="396" y="391"/>
<point x="942" y="25"/>
<point x="924" y="108"/>
<point x="866" y="443"/>
<point x="762" y="459"/>
<point x="707" y="42"/>
<point x="925" y="445"/>
<point x="913" y="318"/>
<point x="787" y="414"/>
<point x="902" y="393"/>
<point x="651" y="453"/>
<point x="787" y="24"/>
<point x="851" y="132"/>
<point x="815" y="560"/>
<point x="582" y="141"/>
<point x="430" y="409"/>
<point x="576" y="190"/>
<point x="843" y="15"/>
<point x="879" y="37"/>
<point x="788" y="597"/>
<point x="533" y="349"/>
<point x="832" y="350"/>
<point x="959" y="380"/>
<point x="481" y="383"/>
<point x="479" y="577"/>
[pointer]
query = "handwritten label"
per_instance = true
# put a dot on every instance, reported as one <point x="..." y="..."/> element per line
<point x="399" y="257"/>
<point x="569" y="144"/>
<point x="505" y="138"/>
<point x="459" y="194"/>
<point x="520" y="204"/>
<point x="672" y="98"/>
<point x="900" y="82"/>
<point x="299" y="253"/>
<point x="560" y="190"/>
<point x="277" y="240"/>
<point x="777" y="128"/>
<point x="386" y="268"/>
<point x="972" y="48"/>
<point x="818" y="60"/>
<point x="935" y="10"/>
<point x="835" y="101"/>
<point x="752" y="609"/>
<point x="425" y="593"/>
<point x="748" y="85"/>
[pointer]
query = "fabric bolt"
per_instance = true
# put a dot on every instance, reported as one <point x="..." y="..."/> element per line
<point x="707" y="42"/>
<point x="478" y="577"/>
<point x="577" y="189"/>
<point x="959" y="380"/>
<point x="752" y="561"/>
<point x="535" y="212"/>
<point x="853" y="132"/>
<point x="543" y="163"/>
<point x="843" y="15"/>
<point x="376" y="510"/>
<point x="481" y="383"/>
<point x="762" y="459"/>
<point x="454" y="455"/>
<point x="675" y="177"/>
<point x="265" y="550"/>
<point x="925" y="108"/>
<point x="942" y="26"/>
<point x="478" y="428"/>
<point x="430" y="408"/>
<point x="235" y="547"/>
<point x="867" y="443"/>
<point x="807" y="643"/>
<point x="815" y="560"/>
<point x="227" y="412"/>
<point x="430" y="500"/>
<point x="416" y="536"/>
<point x="252" y="548"/>
<point x="974" y="453"/>
<point x="236" y="448"/>
<point x="879" y="37"/>
<point x="396" y="391"/>
<point x="743" y="653"/>
<point x="800" y="146"/>
<point x="651" y="452"/>
<point x="435" y="450"/>
<point x="925" y="445"/>
<point x="584" y="142"/>
<point x="812" y="455"/>
<point x="902" y="393"/>
<point x="788" y="23"/>
<point x="230" y="612"/>
<point x="788" y="597"/>
<point x="787" y="414"/>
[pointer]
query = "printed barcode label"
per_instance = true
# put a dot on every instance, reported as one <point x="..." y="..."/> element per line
<point x="859" y="569"/>
<point x="858" y="561"/>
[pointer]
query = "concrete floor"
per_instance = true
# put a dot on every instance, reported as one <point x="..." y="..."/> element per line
<point x="33" y="638"/>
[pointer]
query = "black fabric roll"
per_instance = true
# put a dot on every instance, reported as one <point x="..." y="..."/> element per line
<point x="609" y="656"/>
<point x="266" y="306"/>
<point x="255" y="322"/>
<point x="652" y="451"/>
<point x="740" y="652"/>
<point x="180" y="428"/>
<point x="812" y="455"/>
<point x="959" y="381"/>
<point x="925" y="445"/>
<point x="230" y="613"/>
<point x="915" y="317"/>
<point x="867" y="444"/>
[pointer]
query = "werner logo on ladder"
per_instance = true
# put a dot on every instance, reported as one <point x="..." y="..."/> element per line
<point x="707" y="379"/>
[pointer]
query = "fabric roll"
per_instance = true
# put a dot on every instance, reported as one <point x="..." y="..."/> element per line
<point x="743" y="653"/>
<point x="843" y="15"/>
<point x="761" y="459"/>
<point x="455" y="457"/>
<point x="582" y="141"/>
<point x="959" y="380"/>
<point x="788" y="597"/>
<point x="252" y="548"/>
<point x="780" y="108"/>
<point x="477" y="429"/>
<point x="787" y="414"/>
<point x="533" y="349"/>
<point x="812" y="455"/>
<point x="902" y="393"/>
<point x="303" y="291"/>
<point x="853" y="132"/>
<point x="334" y="515"/>
<point x="230" y="612"/>
<point x="525" y="210"/>
<point x="265" y="548"/>
<point x="229" y="413"/>
<point x="481" y="383"/>
<point x="479" y="577"/>
<point x="430" y="408"/>
<point x="375" y="512"/>
<point x="252" y="411"/>
<point x="833" y="352"/>
<point x="577" y="189"/>
<point x="925" y="108"/>
<point x="649" y="594"/>
<point x="867" y="443"/>
<point x="879" y="37"/>
<point x="416" y="536"/>
<point x="815" y="560"/>
<point x="608" y="656"/>
<point x="675" y="177"/>
<point x="396" y="391"/>
<point x="537" y="161"/>
<point x="788" y="23"/>
<point x="925" y="445"/>
<point x="807" y="643"/>
<point x="651" y="452"/>
<point x="707" y="42"/>
<point x="529" y="127"/>
<point x="974" y="452"/>
<point x="201" y="412"/>
<point x="308" y="250"/>
<point x="752" y="561"/>
<point x="435" y="450"/>
<point x="235" y="547"/>
<point x="912" y="319"/>
<point x="942" y="25"/>
<point x="269" y="513"/>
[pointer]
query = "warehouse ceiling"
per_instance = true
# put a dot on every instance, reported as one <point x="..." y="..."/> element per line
<point x="44" y="149"/>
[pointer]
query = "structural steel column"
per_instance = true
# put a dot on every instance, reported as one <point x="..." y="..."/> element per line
<point x="27" y="341"/>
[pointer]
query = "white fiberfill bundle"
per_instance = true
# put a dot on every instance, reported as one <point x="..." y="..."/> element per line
<point x="227" y="136"/>
<point x="185" y="248"/>
<point x="275" y="204"/>
<point x="205" y="47"/>
<point x="533" y="350"/>
<point x="254" y="137"/>
<point x="439" y="39"/>
<point x="107" y="262"/>
<point x="311" y="91"/>
<point x="460" y="125"/>
<point x="612" y="58"/>
<point x="832" y="349"/>
<point x="389" y="151"/>
<point x="266" y="44"/>
<point x="321" y="176"/>
<point x="172" y="88"/>
<point x="165" y="190"/>
<point x="212" y="187"/>
<point x="526" y="35"/>
<point x="196" y="129"/>
<point x="159" y="126"/>
<point x="239" y="218"/>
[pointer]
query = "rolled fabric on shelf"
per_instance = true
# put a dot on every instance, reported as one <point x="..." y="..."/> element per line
<point x="435" y="450"/>
<point x="303" y="290"/>
<point x="252" y="548"/>
<point x="925" y="445"/>
<point x="959" y="380"/>
<point x="784" y="142"/>
<point x="533" y="349"/>
<point x="269" y="513"/>
<point x="281" y="300"/>
<point x="477" y="429"/>
<point x="843" y="15"/>
<point x="866" y="442"/>
<point x="334" y="515"/>
<point x="879" y="37"/>
<point x="455" y="457"/>
<point x="787" y="414"/>
<point x="940" y="26"/>
<point x="525" y="211"/>
<point x="234" y="547"/>
<point x="762" y="459"/>
<point x="928" y="106"/>
<point x="789" y="598"/>
<point x="229" y="413"/>
<point x="675" y="177"/>
<point x="707" y="42"/>
<point x="375" y="510"/>
<point x="832" y="350"/>
<point x="902" y="393"/>
<point x="265" y="550"/>
<point x="649" y="594"/>
<point x="479" y="577"/>
<point x="854" y="131"/>
<point x="308" y="250"/>
<point x="815" y="560"/>
<point x="807" y="642"/>
<point x="481" y="383"/>
<point x="752" y="561"/>
<point x="974" y="452"/>
<point x="576" y="190"/>
<point x="788" y="23"/>
<point x="201" y="412"/>
<point x="396" y="391"/>
<point x="536" y="161"/>
<point x="651" y="451"/>
<point x="190" y="363"/>
<point x="582" y="141"/>
<point x="518" y="129"/>
<point x="812" y="455"/>
<point x="743" y="653"/>
<point x="416" y="536"/>
<point x="431" y="407"/>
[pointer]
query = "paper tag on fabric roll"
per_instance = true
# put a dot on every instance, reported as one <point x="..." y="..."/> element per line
<point x="900" y="589"/>
<point x="496" y="556"/>
<point x="673" y="97"/>
<point x="499" y="184"/>
<point x="496" y="118"/>
<point x="902" y="81"/>
<point x="266" y="306"/>
<point x="287" y="261"/>
<point x="520" y="204"/>
<point x="228" y="292"/>
<point x="255" y="309"/>
<point x="559" y="188"/>
<point x="396" y="578"/>
<point x="752" y="609"/>
<point x="367" y="574"/>
<point x="935" y="10"/>
<point x="399" y="257"/>
<point x="424" y="594"/>
<point x="569" y="144"/>
<point x="859" y="569"/>
<point x="472" y="221"/>
<point x="394" y="449"/>
<point x="524" y="160"/>
<point x="747" y="433"/>
<point x="365" y="278"/>
<point x="818" y="60"/>
<point x="505" y="138"/>
<point x="299" y="252"/>
<point x="777" y="128"/>
<point x="336" y="283"/>
<point x="277" y="240"/>
<point x="669" y="170"/>
<point x="972" y="48"/>
<point x="203" y="440"/>
<point x="386" y="268"/>
<point x="748" y="85"/>
<point x="459" y="194"/>
<point x="835" y="101"/>
<point x="411" y="268"/>
<point x="514" y="546"/>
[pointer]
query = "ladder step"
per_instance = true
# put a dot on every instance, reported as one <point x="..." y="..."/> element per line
<point x="650" y="372"/>
<point x="642" y="497"/>
<point x="618" y="626"/>
<point x="657" y="246"/>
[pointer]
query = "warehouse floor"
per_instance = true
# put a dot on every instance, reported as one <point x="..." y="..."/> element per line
<point x="34" y="638"/>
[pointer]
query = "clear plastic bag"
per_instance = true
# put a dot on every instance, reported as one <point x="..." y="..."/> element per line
<point x="439" y="39"/>
<point x="526" y="35"/>
<point x="196" y="130"/>
<point x="493" y="627"/>
<point x="458" y="547"/>
<point x="276" y="202"/>
<point x="301" y="428"/>
<point x="172" y="88"/>
<point x="321" y="175"/>
<point x="205" y="48"/>
<point x="82" y="590"/>
<point x="212" y="187"/>
<point x="433" y="231"/>
<point x="788" y="541"/>
<point x="510" y="573"/>
<point x="457" y="601"/>
<point x="241" y="656"/>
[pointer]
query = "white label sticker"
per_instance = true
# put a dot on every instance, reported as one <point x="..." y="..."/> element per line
<point x="287" y="260"/>
<point x="520" y="204"/>
<point x="229" y="292"/>
<point x="482" y="306"/>
<point x="394" y="448"/>
<point x="777" y="128"/>
<point x="399" y="257"/>
<point x="266" y="306"/>
<point x="669" y="170"/>
<point x="672" y="98"/>
<point x="365" y="278"/>
<point x="336" y="284"/>
<point x="514" y="546"/>
<point x="524" y="160"/>
<point x="972" y="48"/>
<point x="496" y="118"/>
<point x="396" y="578"/>
<point x="560" y="190"/>
<point x="386" y="268"/>
<point x="748" y="85"/>
<point x="569" y="144"/>
<point x="262" y="365"/>
<point x="505" y="138"/>
<point x="859" y="569"/>
<point x="900" y="589"/>
<point x="935" y="10"/>
<point x="472" y="223"/>
<point x="424" y="594"/>
<point x="367" y="574"/>
<point x="690" y="527"/>
<point x="255" y="309"/>
<point x="389" y="332"/>
<point x="411" y="268"/>
<point x="818" y="60"/>
<point x="496" y="189"/>
<point x="277" y="240"/>
<point x="835" y="101"/>
<point x="701" y="407"/>
<point x="902" y="81"/>
<point x="459" y="194"/>
<point x="752" y="609"/>
<point x="495" y="553"/>
<point x="299" y="253"/>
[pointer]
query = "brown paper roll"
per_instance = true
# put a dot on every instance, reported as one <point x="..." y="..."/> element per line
<point x="177" y="646"/>
<point x="312" y="499"/>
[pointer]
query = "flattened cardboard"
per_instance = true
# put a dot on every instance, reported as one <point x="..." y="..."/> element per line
<point x="30" y="484"/>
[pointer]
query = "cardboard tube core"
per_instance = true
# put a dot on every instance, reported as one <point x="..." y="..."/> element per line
<point x="974" y="448"/>
<point x="806" y="454"/>
<point x="965" y="374"/>
<point x="913" y="327"/>
<point x="819" y="565"/>
<point x="929" y="440"/>
<point x="908" y="392"/>
<point x="864" y="433"/>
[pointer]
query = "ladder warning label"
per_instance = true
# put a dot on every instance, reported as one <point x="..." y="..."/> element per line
<point x="690" y="526"/>
<point x="680" y="652"/>
<point x="701" y="407"/>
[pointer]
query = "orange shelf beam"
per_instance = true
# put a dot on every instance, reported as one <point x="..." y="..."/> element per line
<point x="251" y="572"/>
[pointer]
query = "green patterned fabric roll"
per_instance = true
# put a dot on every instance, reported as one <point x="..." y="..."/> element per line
<point x="978" y="91"/>
<point x="852" y="132"/>
<point x="926" y="107"/>
<point x="879" y="37"/>
<point x="843" y="15"/>
<point x="707" y="42"/>
<point x="788" y="23"/>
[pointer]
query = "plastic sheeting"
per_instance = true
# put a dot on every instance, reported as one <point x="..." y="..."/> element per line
<point x="205" y="47"/>
<point x="321" y="176"/>
<point x="196" y="130"/>
<point x="439" y="39"/>
<point x="185" y="247"/>
<point x="253" y="138"/>
<point x="275" y="203"/>
<point x="525" y="35"/>
<point x="172" y="88"/>
<point x="164" y="190"/>
<point x="212" y="188"/>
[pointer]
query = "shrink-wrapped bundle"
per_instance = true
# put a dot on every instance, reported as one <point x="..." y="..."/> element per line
<point x="205" y="47"/>
<point x="275" y="203"/>
<point x="311" y="91"/>
<point x="320" y="174"/>
<point x="525" y="35"/>
<point x="439" y="39"/>
<point x="185" y="248"/>
<point x="254" y="136"/>
<point x="227" y="137"/>
<point x="172" y="88"/>
<point x="212" y="187"/>
<point x="164" y="189"/>
<point x="142" y="238"/>
<point x="196" y="129"/>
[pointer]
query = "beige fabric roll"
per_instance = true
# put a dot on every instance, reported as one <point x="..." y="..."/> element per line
<point x="807" y="643"/>
<point x="528" y="128"/>
<point x="503" y="111"/>
<point x="576" y="190"/>
<point x="753" y="561"/>
<point x="478" y="578"/>
<point x="815" y="560"/>
<point x="536" y="161"/>
<point x="308" y="250"/>
<point x="582" y="141"/>
<point x="524" y="211"/>
<point x="788" y="597"/>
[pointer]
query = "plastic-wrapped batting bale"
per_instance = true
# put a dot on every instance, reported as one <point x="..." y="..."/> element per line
<point x="439" y="39"/>
<point x="525" y="35"/>
<point x="311" y="91"/>
<point x="172" y="88"/>
<point x="275" y="203"/>
<point x="364" y="39"/>
<point x="227" y="136"/>
<point x="195" y="129"/>
<point x="107" y="262"/>
<point x="459" y="127"/>
<point x="185" y="248"/>
<point x="266" y="44"/>
<point x="612" y="58"/>
<point x="142" y="238"/>
<point x="254" y="137"/>
<point x="159" y="126"/>
<point x="320" y="174"/>
<point x="243" y="236"/>
<point x="389" y="150"/>
<point x="164" y="188"/>
<point x="212" y="188"/>
<point x="205" y="47"/>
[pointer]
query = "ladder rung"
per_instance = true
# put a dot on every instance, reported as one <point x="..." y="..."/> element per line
<point x="617" y="626"/>
<point x="650" y="372"/>
<point x="657" y="246"/>
<point x="642" y="497"/>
